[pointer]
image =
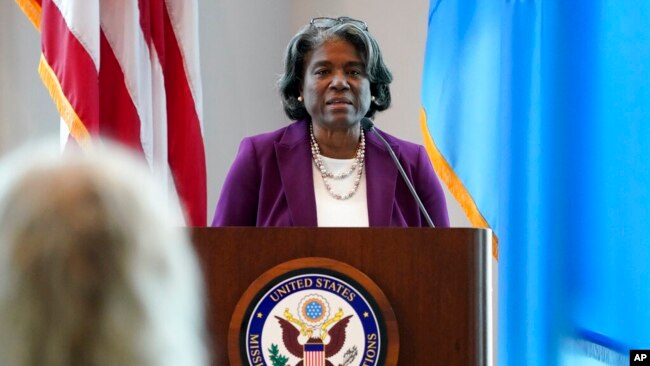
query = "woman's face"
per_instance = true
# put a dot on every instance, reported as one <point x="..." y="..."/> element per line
<point x="336" y="90"/>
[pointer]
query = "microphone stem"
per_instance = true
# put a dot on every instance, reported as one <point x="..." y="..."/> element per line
<point x="406" y="179"/>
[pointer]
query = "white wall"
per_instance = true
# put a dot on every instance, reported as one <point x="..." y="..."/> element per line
<point x="242" y="45"/>
<point x="26" y="110"/>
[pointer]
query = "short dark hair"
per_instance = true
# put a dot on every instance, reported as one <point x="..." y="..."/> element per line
<point x="311" y="37"/>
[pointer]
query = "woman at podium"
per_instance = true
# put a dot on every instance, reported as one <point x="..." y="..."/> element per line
<point x="329" y="167"/>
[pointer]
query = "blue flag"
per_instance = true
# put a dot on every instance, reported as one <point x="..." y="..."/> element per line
<point x="536" y="115"/>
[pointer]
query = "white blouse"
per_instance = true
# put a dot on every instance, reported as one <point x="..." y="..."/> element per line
<point x="331" y="212"/>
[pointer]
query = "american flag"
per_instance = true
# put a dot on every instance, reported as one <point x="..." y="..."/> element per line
<point x="314" y="354"/>
<point x="128" y="70"/>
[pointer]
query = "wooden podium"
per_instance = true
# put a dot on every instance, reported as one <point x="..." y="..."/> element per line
<point x="437" y="281"/>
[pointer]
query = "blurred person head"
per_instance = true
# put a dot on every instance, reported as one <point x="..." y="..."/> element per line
<point x="95" y="268"/>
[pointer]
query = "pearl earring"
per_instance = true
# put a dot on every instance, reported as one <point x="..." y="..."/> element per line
<point x="300" y="98"/>
<point x="372" y="98"/>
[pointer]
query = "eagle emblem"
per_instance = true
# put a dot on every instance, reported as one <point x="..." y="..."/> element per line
<point x="311" y="319"/>
<point x="313" y="336"/>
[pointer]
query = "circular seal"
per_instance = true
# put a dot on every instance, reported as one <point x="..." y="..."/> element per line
<point x="309" y="316"/>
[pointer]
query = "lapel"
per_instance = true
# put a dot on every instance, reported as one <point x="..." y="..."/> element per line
<point x="294" y="161"/>
<point x="381" y="178"/>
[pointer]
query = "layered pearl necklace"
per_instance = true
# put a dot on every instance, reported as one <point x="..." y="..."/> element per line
<point x="357" y="166"/>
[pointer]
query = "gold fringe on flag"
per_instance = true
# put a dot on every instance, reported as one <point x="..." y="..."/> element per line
<point x="32" y="10"/>
<point x="456" y="187"/>
<point x="68" y="114"/>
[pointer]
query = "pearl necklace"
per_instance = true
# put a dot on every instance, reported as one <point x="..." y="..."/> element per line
<point x="357" y="166"/>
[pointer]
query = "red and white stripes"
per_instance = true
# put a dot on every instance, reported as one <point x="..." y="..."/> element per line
<point x="129" y="70"/>
<point x="314" y="358"/>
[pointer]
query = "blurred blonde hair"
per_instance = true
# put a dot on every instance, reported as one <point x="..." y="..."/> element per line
<point x="95" y="268"/>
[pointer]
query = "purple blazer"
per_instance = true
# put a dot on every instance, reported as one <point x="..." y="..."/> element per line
<point x="270" y="183"/>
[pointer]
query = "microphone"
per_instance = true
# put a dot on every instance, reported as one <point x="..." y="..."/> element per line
<point x="368" y="125"/>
